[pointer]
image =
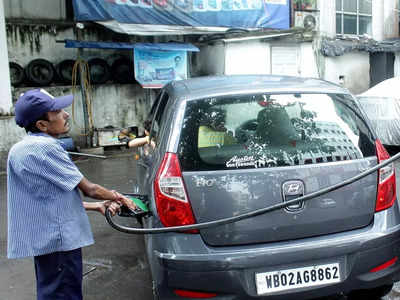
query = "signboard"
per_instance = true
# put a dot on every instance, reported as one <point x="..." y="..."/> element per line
<point x="153" y="69"/>
<point x="226" y="14"/>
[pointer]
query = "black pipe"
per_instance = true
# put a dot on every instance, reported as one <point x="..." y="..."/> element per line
<point x="248" y="214"/>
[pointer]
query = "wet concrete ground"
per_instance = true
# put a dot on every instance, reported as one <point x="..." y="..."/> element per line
<point x="115" y="267"/>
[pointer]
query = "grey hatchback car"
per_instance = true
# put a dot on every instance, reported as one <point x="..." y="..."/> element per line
<point x="224" y="146"/>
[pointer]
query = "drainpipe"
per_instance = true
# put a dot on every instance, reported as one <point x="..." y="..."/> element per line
<point x="327" y="17"/>
<point x="88" y="129"/>
<point x="377" y="20"/>
<point x="390" y="19"/>
<point x="5" y="82"/>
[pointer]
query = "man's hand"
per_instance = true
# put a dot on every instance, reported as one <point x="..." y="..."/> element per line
<point x="121" y="199"/>
<point x="112" y="206"/>
<point x="96" y="191"/>
<point x="101" y="206"/>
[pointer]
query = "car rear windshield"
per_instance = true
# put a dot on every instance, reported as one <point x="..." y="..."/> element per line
<point x="272" y="130"/>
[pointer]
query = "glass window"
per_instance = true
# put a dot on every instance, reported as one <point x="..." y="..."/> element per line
<point x="349" y="24"/>
<point x="350" y="6"/>
<point x="338" y="4"/>
<point x="353" y="17"/>
<point x="365" y="7"/>
<point x="158" y="118"/>
<point x="256" y="131"/>
<point x="365" y="25"/>
<point x="339" y="22"/>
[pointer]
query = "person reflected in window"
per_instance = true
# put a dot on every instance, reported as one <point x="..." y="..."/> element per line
<point x="212" y="131"/>
<point x="144" y="139"/>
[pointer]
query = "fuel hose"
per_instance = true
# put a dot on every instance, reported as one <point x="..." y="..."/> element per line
<point x="251" y="213"/>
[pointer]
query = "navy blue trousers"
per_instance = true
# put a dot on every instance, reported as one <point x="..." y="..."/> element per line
<point x="59" y="275"/>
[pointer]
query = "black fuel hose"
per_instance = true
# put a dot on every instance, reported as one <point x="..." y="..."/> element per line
<point x="248" y="214"/>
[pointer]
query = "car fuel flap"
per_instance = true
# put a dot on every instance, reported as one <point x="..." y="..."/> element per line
<point x="221" y="194"/>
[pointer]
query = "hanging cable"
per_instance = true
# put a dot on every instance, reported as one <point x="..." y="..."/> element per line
<point x="81" y="68"/>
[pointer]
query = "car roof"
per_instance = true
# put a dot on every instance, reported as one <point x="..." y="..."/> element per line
<point x="204" y="87"/>
<point x="384" y="89"/>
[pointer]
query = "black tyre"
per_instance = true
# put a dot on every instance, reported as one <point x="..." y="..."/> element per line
<point x="371" y="294"/>
<point x="40" y="72"/>
<point x="64" y="71"/>
<point x="122" y="70"/>
<point x="17" y="75"/>
<point x="99" y="71"/>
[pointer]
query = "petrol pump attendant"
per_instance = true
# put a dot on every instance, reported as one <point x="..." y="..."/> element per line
<point x="46" y="215"/>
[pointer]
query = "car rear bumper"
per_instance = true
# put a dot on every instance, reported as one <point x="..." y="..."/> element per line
<point x="185" y="262"/>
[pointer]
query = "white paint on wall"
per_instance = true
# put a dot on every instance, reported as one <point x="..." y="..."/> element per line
<point x="257" y="57"/>
<point x="210" y="60"/>
<point x="353" y="66"/>
<point x="11" y="133"/>
<point x="308" y="63"/>
<point x="327" y="17"/>
<point x="285" y="60"/>
<point x="5" y="86"/>
<point x="247" y="58"/>
<point x="28" y="42"/>
<point x="44" y="9"/>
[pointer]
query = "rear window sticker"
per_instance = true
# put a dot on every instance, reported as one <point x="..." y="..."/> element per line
<point x="248" y="161"/>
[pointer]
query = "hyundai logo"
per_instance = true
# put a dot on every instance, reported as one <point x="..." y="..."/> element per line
<point x="291" y="190"/>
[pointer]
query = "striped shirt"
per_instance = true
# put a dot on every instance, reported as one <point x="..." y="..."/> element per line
<point x="45" y="209"/>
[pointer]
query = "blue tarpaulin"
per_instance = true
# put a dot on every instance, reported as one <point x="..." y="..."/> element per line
<point x="128" y="46"/>
<point x="184" y="16"/>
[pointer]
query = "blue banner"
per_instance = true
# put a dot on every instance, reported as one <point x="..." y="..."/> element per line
<point x="153" y="69"/>
<point x="273" y="14"/>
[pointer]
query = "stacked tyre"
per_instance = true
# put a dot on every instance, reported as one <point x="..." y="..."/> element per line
<point x="122" y="70"/>
<point x="99" y="71"/>
<point x="65" y="71"/>
<point x="17" y="75"/>
<point x="41" y="72"/>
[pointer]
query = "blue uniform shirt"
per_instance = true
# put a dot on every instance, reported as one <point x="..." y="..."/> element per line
<point x="45" y="210"/>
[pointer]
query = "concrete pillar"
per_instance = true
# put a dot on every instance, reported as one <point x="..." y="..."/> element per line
<point x="391" y="19"/>
<point x="377" y="20"/>
<point x="327" y="18"/>
<point x="5" y="84"/>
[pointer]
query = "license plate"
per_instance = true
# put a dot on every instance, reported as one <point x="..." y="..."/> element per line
<point x="282" y="280"/>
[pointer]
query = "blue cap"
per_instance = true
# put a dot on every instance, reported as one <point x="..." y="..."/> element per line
<point x="33" y="104"/>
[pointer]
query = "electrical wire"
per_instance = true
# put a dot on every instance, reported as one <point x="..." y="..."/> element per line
<point x="81" y="68"/>
<point x="254" y="213"/>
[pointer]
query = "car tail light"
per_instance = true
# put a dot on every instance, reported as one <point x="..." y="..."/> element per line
<point x="172" y="201"/>
<point x="194" y="294"/>
<point x="386" y="180"/>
